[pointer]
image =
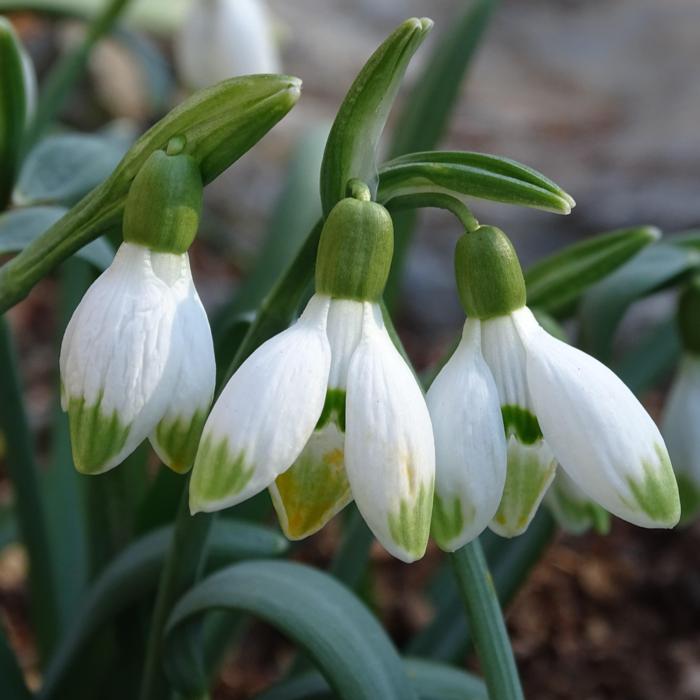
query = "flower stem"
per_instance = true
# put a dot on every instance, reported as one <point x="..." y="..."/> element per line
<point x="436" y="200"/>
<point x="29" y="505"/>
<point x="183" y="567"/>
<point x="61" y="79"/>
<point x="486" y="622"/>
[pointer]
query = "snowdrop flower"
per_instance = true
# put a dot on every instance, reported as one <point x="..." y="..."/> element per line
<point x="137" y="358"/>
<point x="329" y="411"/>
<point x="572" y="509"/>
<point x="221" y="39"/>
<point x="557" y="404"/>
<point x="681" y="419"/>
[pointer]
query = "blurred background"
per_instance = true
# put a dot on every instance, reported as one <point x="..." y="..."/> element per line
<point x="603" y="97"/>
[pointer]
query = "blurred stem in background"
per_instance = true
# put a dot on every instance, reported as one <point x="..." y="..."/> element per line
<point x="68" y="70"/>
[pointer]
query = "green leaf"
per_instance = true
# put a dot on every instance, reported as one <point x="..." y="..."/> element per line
<point x="134" y="573"/>
<point x="219" y="125"/>
<point x="62" y="169"/>
<point x="344" y="640"/>
<point x="12" y="685"/>
<point x="690" y="239"/>
<point x="555" y="283"/>
<point x="602" y="308"/>
<point x="351" y="150"/>
<point x="13" y="105"/>
<point x="431" y="680"/>
<point x="21" y="227"/>
<point x="471" y="174"/>
<point x="652" y="358"/>
<point x="8" y="526"/>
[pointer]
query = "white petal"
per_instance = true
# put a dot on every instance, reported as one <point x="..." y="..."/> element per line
<point x="316" y="487"/>
<point x="344" y="333"/>
<point x="119" y="361"/>
<point x="221" y="39"/>
<point x="680" y="427"/>
<point x="265" y="414"/>
<point x="176" y="436"/>
<point x="470" y="445"/>
<point x="600" y="434"/>
<point x="531" y="464"/>
<point x="389" y="448"/>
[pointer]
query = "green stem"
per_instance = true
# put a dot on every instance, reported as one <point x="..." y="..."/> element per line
<point x="486" y="620"/>
<point x="183" y="567"/>
<point x="439" y="201"/>
<point x="61" y="79"/>
<point x="29" y="506"/>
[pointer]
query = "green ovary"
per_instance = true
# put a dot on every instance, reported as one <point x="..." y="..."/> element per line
<point x="449" y="520"/>
<point x="218" y="475"/>
<point x="657" y="493"/>
<point x="410" y="526"/>
<point x="527" y="479"/>
<point x="95" y="437"/>
<point x="178" y="440"/>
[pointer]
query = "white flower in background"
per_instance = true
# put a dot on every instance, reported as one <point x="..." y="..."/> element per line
<point x="220" y="39"/>
<point x="328" y="410"/>
<point x="680" y="424"/>
<point x="558" y="404"/>
<point x="137" y="358"/>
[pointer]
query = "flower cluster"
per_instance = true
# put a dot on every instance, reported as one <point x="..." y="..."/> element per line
<point x="329" y="411"/>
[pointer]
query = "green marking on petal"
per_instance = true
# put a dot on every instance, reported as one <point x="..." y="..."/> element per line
<point x="178" y="440"/>
<point x="333" y="409"/>
<point x="577" y="515"/>
<point x="449" y="520"/>
<point x="657" y="493"/>
<point x="689" y="493"/>
<point x="410" y="526"/>
<point x="527" y="479"/>
<point x="95" y="437"/>
<point x="218" y="475"/>
<point x="520" y="422"/>
<point x="315" y="487"/>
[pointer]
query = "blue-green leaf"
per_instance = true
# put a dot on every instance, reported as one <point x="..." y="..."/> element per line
<point x="323" y="617"/>
<point x="351" y="150"/>
<point x="603" y="306"/>
<point x="12" y="685"/>
<point x="20" y="227"/>
<point x="555" y="283"/>
<point x="62" y="169"/>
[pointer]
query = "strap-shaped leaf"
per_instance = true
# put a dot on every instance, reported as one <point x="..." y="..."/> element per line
<point x="135" y="572"/>
<point x="13" y="107"/>
<point x="20" y="227"/>
<point x="554" y="283"/>
<point x="603" y="306"/>
<point x="471" y="174"/>
<point x="352" y="143"/>
<point x="64" y="168"/>
<point x="432" y="681"/>
<point x="12" y="685"/>
<point x="218" y="125"/>
<point x="323" y="617"/>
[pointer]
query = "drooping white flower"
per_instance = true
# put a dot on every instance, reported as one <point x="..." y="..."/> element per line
<point x="328" y="410"/>
<point x="557" y="404"/>
<point x="573" y="510"/>
<point x="137" y="358"/>
<point x="470" y="444"/>
<point x="220" y="39"/>
<point x="128" y="358"/>
<point x="680" y="426"/>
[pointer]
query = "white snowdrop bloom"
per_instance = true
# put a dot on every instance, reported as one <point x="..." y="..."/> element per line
<point x="573" y="510"/>
<point x="558" y="404"/>
<point x="328" y="410"/>
<point x="470" y="444"/>
<point x="137" y="358"/>
<point x="220" y="39"/>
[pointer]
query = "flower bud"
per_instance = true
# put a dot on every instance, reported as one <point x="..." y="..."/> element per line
<point x="164" y="203"/>
<point x="355" y="250"/>
<point x="489" y="277"/>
